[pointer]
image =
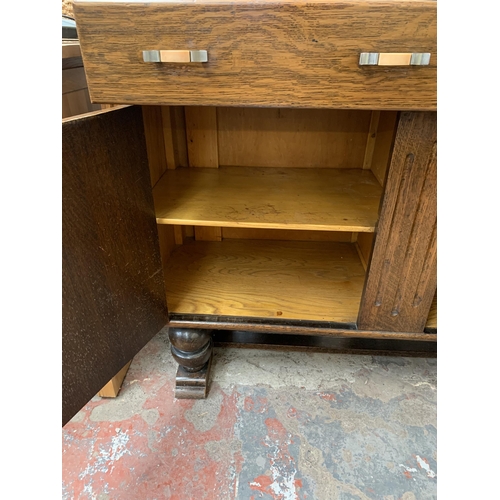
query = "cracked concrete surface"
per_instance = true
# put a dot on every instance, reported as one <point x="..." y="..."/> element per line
<point x="276" y="425"/>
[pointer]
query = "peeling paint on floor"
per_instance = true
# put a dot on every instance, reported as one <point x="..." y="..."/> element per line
<point x="276" y="425"/>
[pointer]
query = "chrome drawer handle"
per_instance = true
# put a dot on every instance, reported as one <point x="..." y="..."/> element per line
<point x="394" y="59"/>
<point x="175" y="56"/>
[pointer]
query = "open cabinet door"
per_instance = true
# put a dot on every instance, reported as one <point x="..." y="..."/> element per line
<point x="113" y="286"/>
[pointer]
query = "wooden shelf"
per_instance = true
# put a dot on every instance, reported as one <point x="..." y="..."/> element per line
<point x="278" y="198"/>
<point x="320" y="281"/>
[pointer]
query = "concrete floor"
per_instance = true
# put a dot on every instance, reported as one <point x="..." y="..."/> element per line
<point x="276" y="425"/>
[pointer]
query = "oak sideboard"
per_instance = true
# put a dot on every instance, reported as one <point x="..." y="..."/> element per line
<point x="269" y="168"/>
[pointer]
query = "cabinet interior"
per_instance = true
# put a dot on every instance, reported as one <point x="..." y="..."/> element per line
<point x="431" y="325"/>
<point x="267" y="212"/>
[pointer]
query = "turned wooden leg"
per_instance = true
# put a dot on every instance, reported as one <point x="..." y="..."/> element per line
<point x="192" y="349"/>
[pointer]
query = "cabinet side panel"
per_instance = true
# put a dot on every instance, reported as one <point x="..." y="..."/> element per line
<point x="153" y="129"/>
<point x="402" y="276"/>
<point x="384" y="141"/>
<point x="364" y="243"/>
<point x="174" y="133"/>
<point x="431" y="324"/>
<point x="112" y="279"/>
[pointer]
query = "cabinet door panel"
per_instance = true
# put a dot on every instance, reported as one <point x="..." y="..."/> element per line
<point x="402" y="276"/>
<point x="113" y="285"/>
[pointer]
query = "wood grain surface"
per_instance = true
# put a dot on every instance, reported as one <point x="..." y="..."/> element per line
<point x="243" y="233"/>
<point x="287" y="198"/>
<point x="386" y="132"/>
<point x="207" y="233"/>
<point x="201" y="130"/>
<point x="274" y="53"/>
<point x="112" y="388"/>
<point x="294" y="280"/>
<point x="155" y="142"/>
<point x="402" y="277"/>
<point x="372" y="138"/>
<point x="112" y="280"/>
<point x="303" y="138"/>
<point x="269" y="326"/>
<point x="433" y="314"/>
<point x="364" y="244"/>
<point x="174" y="133"/>
<point x="168" y="240"/>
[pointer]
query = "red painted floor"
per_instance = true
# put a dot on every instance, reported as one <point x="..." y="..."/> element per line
<point x="310" y="426"/>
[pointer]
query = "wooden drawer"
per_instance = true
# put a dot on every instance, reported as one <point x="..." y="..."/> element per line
<point x="273" y="53"/>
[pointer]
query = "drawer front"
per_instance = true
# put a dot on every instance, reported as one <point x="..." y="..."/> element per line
<point x="269" y="53"/>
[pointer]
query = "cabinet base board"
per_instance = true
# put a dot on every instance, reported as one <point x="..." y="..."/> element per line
<point x="290" y="327"/>
<point x="344" y="345"/>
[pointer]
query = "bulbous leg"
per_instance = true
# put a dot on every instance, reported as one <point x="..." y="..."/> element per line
<point x="192" y="349"/>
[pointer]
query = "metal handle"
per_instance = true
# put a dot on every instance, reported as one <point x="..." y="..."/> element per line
<point x="394" y="59"/>
<point x="175" y="56"/>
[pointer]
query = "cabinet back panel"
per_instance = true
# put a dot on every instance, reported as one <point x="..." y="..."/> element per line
<point x="155" y="143"/>
<point x="280" y="137"/>
<point x="243" y="233"/>
<point x="201" y="130"/>
<point x="165" y="131"/>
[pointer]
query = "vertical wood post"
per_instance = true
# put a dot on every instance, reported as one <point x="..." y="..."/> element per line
<point x="402" y="275"/>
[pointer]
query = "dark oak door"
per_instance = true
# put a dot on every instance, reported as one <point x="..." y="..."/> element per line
<point x="113" y="286"/>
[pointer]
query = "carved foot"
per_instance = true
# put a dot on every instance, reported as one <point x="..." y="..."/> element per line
<point x="192" y="349"/>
